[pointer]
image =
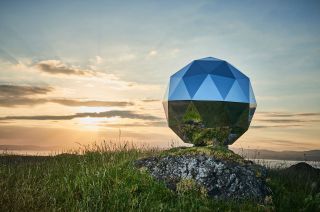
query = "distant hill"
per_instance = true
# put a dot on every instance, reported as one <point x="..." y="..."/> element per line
<point x="312" y="155"/>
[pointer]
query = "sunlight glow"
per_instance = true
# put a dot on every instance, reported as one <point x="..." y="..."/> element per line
<point x="93" y="109"/>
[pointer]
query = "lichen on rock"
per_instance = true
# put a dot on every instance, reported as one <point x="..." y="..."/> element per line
<point x="219" y="172"/>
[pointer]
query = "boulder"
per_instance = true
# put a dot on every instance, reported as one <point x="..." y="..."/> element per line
<point x="218" y="172"/>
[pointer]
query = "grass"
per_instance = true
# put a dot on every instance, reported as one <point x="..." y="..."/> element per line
<point x="296" y="189"/>
<point x="104" y="179"/>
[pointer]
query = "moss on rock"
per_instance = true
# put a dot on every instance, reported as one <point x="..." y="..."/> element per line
<point x="218" y="152"/>
<point x="189" y="186"/>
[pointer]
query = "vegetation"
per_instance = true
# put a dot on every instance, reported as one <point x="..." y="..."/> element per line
<point x="296" y="188"/>
<point x="104" y="179"/>
<point x="219" y="152"/>
<point x="197" y="134"/>
<point x="195" y="131"/>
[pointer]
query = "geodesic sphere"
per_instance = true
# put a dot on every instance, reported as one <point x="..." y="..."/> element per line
<point x="209" y="101"/>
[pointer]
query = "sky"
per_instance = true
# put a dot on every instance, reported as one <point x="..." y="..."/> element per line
<point x="77" y="72"/>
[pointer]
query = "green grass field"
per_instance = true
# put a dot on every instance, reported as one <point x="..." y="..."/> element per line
<point x="101" y="179"/>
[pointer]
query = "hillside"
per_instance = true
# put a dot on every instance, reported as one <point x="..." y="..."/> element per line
<point x="104" y="180"/>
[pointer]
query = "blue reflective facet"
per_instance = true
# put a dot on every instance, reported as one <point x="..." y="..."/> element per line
<point x="166" y="94"/>
<point x="227" y="83"/>
<point x="180" y="92"/>
<point x="174" y="81"/>
<point x="236" y="94"/>
<point x="251" y="95"/>
<point x="165" y="103"/>
<point x="223" y="70"/>
<point x="244" y="85"/>
<point x="223" y="84"/>
<point x="194" y="69"/>
<point x="208" y="91"/>
<point x="210" y="59"/>
<point x="182" y="71"/>
<point x="193" y="83"/>
<point x="237" y="74"/>
<point x="209" y="66"/>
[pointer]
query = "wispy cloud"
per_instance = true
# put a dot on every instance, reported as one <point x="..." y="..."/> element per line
<point x="289" y="120"/>
<point x="152" y="53"/>
<point x="283" y="120"/>
<point x="287" y="143"/>
<point x="58" y="67"/>
<point x="12" y="102"/>
<point x="18" y="90"/>
<point x="91" y="103"/>
<point x="281" y="114"/>
<point x="16" y="95"/>
<point x="275" y="126"/>
<point x="160" y="123"/>
<point x="150" y="100"/>
<point x="105" y="114"/>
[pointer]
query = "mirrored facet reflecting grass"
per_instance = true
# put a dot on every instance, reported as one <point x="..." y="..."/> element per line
<point x="103" y="178"/>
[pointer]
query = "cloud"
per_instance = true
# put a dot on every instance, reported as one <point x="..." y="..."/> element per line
<point x="279" y="114"/>
<point x="150" y="100"/>
<point x="275" y="126"/>
<point x="152" y="53"/>
<point x="285" y="119"/>
<point x="18" y="90"/>
<point x="286" y="143"/>
<point x="12" y="102"/>
<point x="91" y="103"/>
<point x="105" y="114"/>
<point x="58" y="67"/>
<point x="97" y="60"/>
<point x="16" y="95"/>
<point x="160" y="123"/>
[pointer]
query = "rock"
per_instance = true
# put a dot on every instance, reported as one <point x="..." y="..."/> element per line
<point x="305" y="173"/>
<point x="303" y="167"/>
<point x="222" y="179"/>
